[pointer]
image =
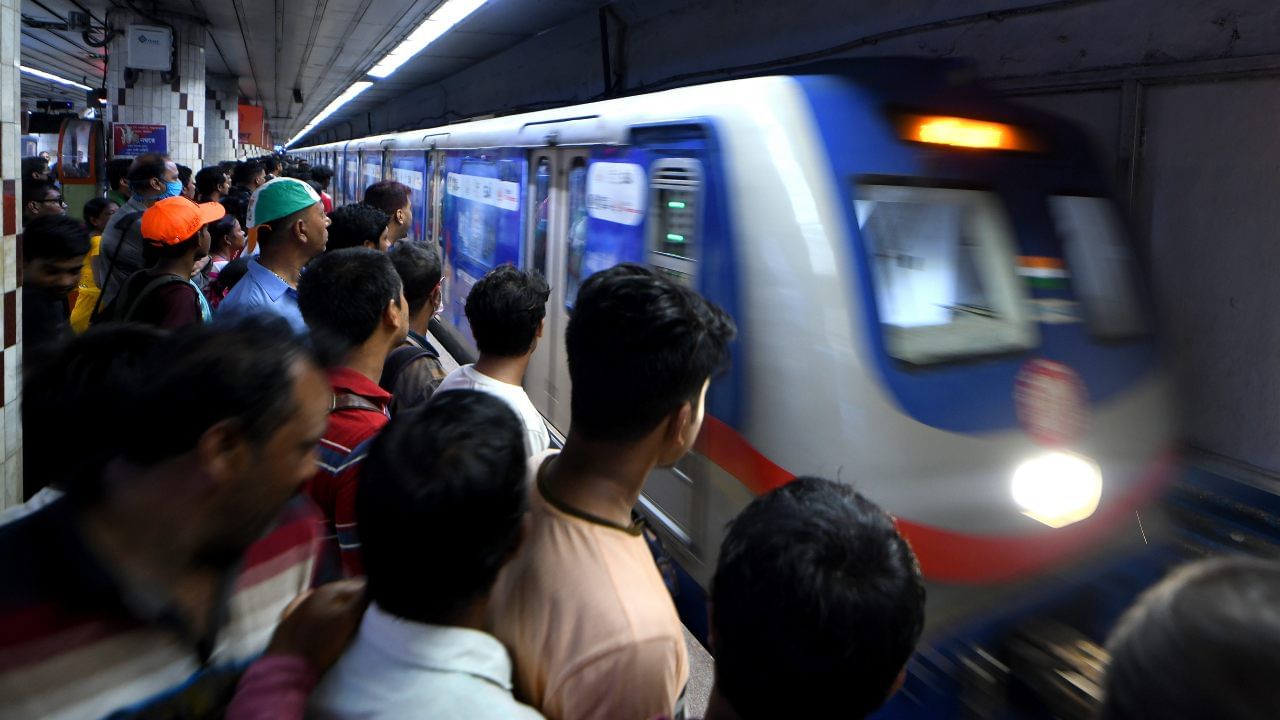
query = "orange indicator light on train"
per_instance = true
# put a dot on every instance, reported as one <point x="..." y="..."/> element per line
<point x="963" y="132"/>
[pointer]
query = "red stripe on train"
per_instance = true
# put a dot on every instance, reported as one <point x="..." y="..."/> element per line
<point x="947" y="555"/>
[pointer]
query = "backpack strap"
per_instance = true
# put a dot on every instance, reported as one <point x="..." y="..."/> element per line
<point x="351" y="401"/>
<point x="127" y="306"/>
<point x="123" y="224"/>
<point x="397" y="361"/>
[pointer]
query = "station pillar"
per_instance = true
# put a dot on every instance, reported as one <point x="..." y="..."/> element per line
<point x="221" y="118"/>
<point x="10" y="320"/>
<point x="175" y="100"/>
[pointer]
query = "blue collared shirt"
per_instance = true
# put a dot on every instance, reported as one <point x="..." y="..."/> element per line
<point x="261" y="291"/>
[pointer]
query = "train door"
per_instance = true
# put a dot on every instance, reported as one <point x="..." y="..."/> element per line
<point x="555" y="238"/>
<point x="435" y="199"/>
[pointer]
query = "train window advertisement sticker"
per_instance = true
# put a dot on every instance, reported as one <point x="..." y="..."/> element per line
<point x="616" y="192"/>
<point x="607" y="212"/>
<point x="481" y="221"/>
<point x="370" y="173"/>
<point x="350" y="179"/>
<point x="411" y="169"/>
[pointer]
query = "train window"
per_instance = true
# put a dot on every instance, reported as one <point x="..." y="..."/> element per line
<point x="944" y="268"/>
<point x="576" y="247"/>
<point x="1103" y="270"/>
<point x="541" y="198"/>
<point x="676" y="189"/>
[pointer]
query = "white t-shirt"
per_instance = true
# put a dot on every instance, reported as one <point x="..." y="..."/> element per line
<point x="536" y="438"/>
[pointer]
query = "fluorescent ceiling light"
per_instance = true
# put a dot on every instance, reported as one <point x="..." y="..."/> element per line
<point x="52" y="77"/>
<point x="347" y="96"/>
<point x="436" y="24"/>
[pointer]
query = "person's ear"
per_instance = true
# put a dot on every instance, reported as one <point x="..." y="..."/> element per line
<point x="391" y="315"/>
<point x="677" y="422"/>
<point x="223" y="451"/>
<point x="541" y="324"/>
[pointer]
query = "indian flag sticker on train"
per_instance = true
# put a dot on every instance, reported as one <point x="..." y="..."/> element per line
<point x="1051" y="401"/>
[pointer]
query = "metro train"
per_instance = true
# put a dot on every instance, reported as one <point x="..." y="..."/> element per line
<point x="937" y="299"/>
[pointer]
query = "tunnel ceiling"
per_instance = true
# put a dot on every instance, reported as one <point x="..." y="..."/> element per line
<point x="274" y="46"/>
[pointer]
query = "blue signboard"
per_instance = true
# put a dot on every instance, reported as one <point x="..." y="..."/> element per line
<point x="133" y="139"/>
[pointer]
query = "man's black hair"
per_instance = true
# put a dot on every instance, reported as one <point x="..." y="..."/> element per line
<point x="639" y="346"/>
<point x="146" y="168"/>
<point x="117" y="170"/>
<point x="184" y="175"/>
<point x="505" y="309"/>
<point x="1200" y="644"/>
<point x="246" y="367"/>
<point x="54" y="237"/>
<point x="92" y="376"/>
<point x="418" y="265"/>
<point x="450" y="474"/>
<point x="322" y="174"/>
<point x="354" y="225"/>
<point x="342" y="295"/>
<point x="245" y="171"/>
<point x="208" y="180"/>
<point x="37" y="190"/>
<point x="270" y="163"/>
<point x="93" y="207"/>
<point x="816" y="604"/>
<point x="32" y="165"/>
<point x="388" y="196"/>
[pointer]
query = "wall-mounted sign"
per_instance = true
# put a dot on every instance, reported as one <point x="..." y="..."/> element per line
<point x="132" y="139"/>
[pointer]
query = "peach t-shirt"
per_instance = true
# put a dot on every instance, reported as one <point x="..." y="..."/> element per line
<point x="589" y="623"/>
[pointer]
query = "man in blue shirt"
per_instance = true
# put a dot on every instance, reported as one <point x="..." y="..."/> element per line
<point x="288" y="221"/>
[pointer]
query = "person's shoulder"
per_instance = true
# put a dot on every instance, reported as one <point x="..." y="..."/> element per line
<point x="462" y="378"/>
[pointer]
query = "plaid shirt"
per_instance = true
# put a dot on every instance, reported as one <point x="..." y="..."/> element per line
<point x="342" y="451"/>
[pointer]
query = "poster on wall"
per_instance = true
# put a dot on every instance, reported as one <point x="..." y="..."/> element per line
<point x="133" y="139"/>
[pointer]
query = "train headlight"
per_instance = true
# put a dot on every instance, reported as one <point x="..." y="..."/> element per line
<point x="1057" y="488"/>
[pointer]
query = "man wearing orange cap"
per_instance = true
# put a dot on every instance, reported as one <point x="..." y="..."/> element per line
<point x="177" y="235"/>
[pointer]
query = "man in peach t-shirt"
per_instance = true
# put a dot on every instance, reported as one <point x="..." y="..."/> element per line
<point x="582" y="608"/>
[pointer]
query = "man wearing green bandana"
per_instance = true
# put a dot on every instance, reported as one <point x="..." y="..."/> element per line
<point x="288" y="222"/>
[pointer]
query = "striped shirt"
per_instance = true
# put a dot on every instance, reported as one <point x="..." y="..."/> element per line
<point x="75" y="642"/>
<point x="342" y="451"/>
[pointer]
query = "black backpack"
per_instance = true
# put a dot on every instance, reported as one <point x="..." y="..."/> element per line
<point x="122" y="307"/>
<point x="398" y="360"/>
<point x="123" y="224"/>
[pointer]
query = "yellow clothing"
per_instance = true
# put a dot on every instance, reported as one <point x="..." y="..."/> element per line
<point x="88" y="293"/>
<point x="591" y="628"/>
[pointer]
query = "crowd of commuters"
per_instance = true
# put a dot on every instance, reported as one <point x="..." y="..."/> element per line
<point x="289" y="509"/>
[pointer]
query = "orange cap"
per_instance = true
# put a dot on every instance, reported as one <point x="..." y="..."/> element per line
<point x="175" y="219"/>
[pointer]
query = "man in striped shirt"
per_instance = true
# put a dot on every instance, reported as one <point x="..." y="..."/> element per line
<point x="169" y="564"/>
<point x="353" y="302"/>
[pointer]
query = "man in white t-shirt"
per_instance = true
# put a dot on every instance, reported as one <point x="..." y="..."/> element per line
<point x="505" y="310"/>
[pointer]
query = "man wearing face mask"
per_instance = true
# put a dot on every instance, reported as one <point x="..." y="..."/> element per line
<point x="152" y="177"/>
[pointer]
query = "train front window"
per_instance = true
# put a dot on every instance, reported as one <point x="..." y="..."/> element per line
<point x="943" y="262"/>
<point x="1103" y="269"/>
